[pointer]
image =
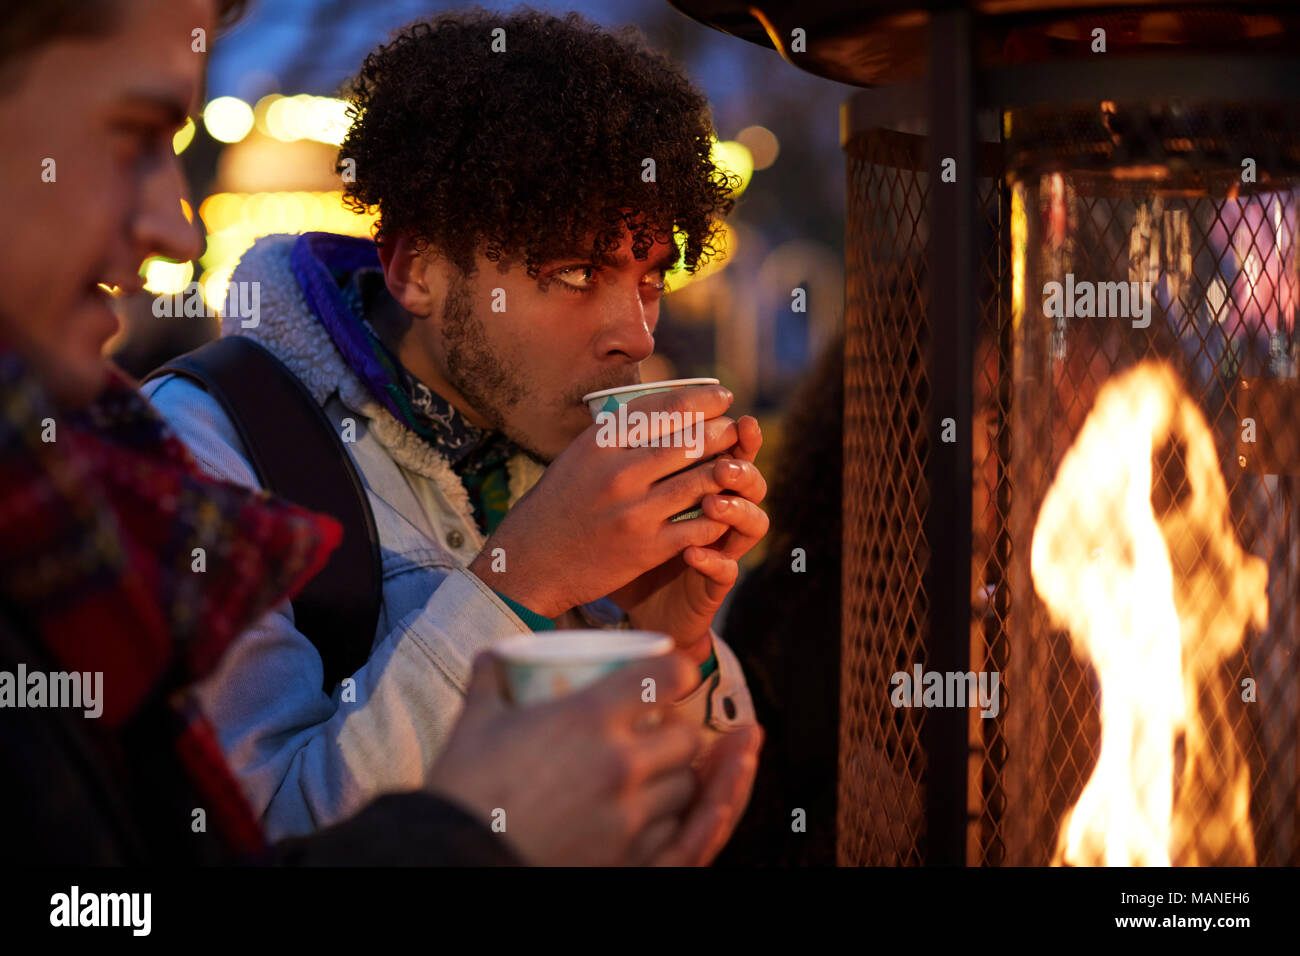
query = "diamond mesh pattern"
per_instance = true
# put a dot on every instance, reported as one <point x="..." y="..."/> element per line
<point x="991" y="538"/>
<point x="1112" y="193"/>
<point x="1127" y="193"/>
<point x="1119" y="194"/>
<point x="885" y="452"/>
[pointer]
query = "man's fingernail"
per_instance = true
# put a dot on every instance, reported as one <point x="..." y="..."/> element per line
<point x="731" y="469"/>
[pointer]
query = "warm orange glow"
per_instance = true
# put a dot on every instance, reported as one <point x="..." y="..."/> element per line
<point x="1154" y="596"/>
<point x="234" y="221"/>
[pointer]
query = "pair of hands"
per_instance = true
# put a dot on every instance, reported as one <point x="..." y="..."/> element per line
<point x="600" y="777"/>
<point x="596" y="524"/>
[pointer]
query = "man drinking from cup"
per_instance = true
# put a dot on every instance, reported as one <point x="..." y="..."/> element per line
<point x="529" y="172"/>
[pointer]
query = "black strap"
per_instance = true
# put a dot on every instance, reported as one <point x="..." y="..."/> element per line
<point x="298" y="455"/>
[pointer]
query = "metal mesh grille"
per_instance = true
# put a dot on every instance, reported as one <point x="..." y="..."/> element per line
<point x="885" y="452"/>
<point x="1109" y="193"/>
<point x="1155" y="193"/>
<point x="991" y="539"/>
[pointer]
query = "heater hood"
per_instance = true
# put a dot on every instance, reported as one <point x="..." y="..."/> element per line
<point x="873" y="42"/>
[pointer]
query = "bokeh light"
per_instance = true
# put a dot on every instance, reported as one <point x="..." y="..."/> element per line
<point x="228" y="119"/>
<point x="163" y="277"/>
<point x="183" y="136"/>
<point x="725" y="242"/>
<point x="289" y="118"/>
<point x="734" y="158"/>
<point x="762" y="144"/>
<point x="234" y="221"/>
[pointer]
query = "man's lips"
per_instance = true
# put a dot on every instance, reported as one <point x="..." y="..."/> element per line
<point x="601" y="386"/>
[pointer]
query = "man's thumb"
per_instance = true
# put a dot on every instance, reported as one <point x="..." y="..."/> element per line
<point x="486" y="690"/>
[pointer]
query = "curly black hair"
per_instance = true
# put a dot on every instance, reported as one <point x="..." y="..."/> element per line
<point x="525" y="153"/>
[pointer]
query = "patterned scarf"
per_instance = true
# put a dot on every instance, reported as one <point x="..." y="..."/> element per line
<point x="126" y="560"/>
<point x="341" y="277"/>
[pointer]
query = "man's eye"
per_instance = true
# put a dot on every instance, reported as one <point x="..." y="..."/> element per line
<point x="584" y="273"/>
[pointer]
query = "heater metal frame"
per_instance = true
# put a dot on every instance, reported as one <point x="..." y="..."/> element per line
<point x="949" y="102"/>
<point x="951" y="95"/>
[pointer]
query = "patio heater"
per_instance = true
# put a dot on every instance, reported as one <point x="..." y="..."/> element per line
<point x="1072" y="420"/>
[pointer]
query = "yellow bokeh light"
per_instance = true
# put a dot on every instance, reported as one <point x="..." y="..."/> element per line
<point x="183" y="136"/>
<point x="725" y="242"/>
<point x="320" y="118"/>
<point x="166" y="278"/>
<point x="235" y="221"/>
<point x="228" y="119"/>
<point x="186" y="211"/>
<point x="215" y="283"/>
<point x="733" y="158"/>
<point x="293" y="212"/>
<point x="278" y="118"/>
<point x="329" y="120"/>
<point x="261" y="110"/>
<point x="221" y="211"/>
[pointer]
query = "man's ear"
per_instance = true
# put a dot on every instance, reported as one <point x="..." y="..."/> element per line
<point x="411" y="275"/>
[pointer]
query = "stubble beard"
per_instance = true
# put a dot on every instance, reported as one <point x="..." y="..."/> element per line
<point x="488" y="384"/>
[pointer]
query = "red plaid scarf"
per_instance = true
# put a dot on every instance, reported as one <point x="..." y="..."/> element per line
<point x="102" y="515"/>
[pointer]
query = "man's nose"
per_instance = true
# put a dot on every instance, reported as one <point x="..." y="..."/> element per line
<point x="161" y="228"/>
<point x="631" y="332"/>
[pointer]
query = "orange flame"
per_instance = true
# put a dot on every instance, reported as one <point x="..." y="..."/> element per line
<point x="1155" y="595"/>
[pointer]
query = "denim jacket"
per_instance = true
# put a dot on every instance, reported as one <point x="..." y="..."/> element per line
<point x="307" y="759"/>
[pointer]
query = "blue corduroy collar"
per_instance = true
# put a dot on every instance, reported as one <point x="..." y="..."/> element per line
<point x="317" y="260"/>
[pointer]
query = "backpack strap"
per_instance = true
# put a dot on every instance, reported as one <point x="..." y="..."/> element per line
<point x="297" y="454"/>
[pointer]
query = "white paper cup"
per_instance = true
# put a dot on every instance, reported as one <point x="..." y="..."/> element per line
<point x="609" y="399"/>
<point x="550" y="664"/>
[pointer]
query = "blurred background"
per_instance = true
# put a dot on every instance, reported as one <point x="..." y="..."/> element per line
<point x="260" y="159"/>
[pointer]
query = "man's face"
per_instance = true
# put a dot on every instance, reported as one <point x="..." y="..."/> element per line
<point x="103" y="109"/>
<point x="578" y="327"/>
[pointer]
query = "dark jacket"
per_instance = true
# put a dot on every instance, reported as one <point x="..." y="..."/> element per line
<point x="74" y="795"/>
<point x="784" y="625"/>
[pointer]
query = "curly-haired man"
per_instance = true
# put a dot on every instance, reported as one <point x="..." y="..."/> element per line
<point x="519" y="261"/>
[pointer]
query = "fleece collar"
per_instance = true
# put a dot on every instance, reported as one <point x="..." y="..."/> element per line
<point x="334" y="273"/>
<point x="289" y="328"/>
